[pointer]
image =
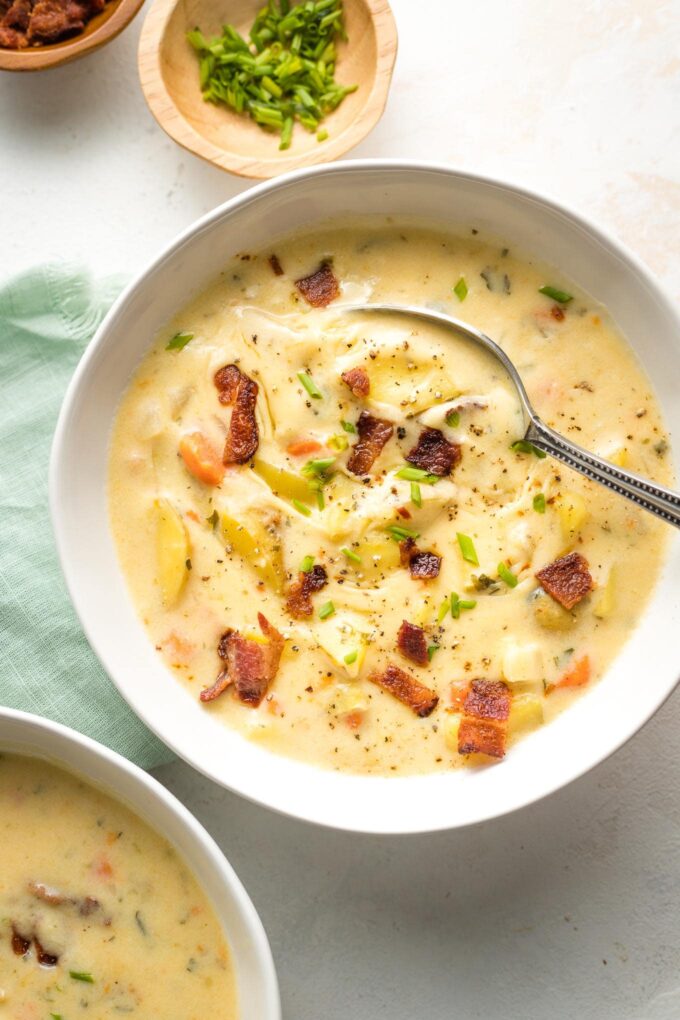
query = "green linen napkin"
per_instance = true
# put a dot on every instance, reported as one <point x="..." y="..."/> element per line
<point x="47" y="317"/>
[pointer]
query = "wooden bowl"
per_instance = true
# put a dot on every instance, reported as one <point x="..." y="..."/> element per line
<point x="101" y="29"/>
<point x="168" y="69"/>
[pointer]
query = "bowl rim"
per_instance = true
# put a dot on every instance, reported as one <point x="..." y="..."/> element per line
<point x="169" y="117"/>
<point x="40" y="58"/>
<point x="565" y="775"/>
<point x="46" y="729"/>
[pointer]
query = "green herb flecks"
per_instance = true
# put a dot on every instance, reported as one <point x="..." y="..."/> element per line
<point x="81" y="975"/>
<point x="431" y="650"/>
<point x="400" y="534"/>
<point x="457" y="604"/>
<point x="416" y="495"/>
<point x="350" y="555"/>
<point x="327" y="609"/>
<point x="522" y="446"/>
<point x="453" y="419"/>
<point x="213" y="520"/>
<point x="467" y="549"/>
<point x="539" y="503"/>
<point x="414" y="474"/>
<point x="307" y="564"/>
<point x="284" y="72"/>
<point x="351" y="657"/>
<point x="301" y="508"/>
<point x="179" y="341"/>
<point x="461" y="289"/>
<point x="556" y="294"/>
<point x="507" y="575"/>
<point x="309" y="384"/>
<point x="348" y="426"/>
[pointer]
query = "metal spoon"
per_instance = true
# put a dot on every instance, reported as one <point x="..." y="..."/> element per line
<point x="657" y="499"/>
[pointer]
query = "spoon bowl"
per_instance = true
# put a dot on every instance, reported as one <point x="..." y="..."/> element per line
<point x="656" y="499"/>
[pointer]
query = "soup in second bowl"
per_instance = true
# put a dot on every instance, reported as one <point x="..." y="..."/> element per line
<point x="99" y="915"/>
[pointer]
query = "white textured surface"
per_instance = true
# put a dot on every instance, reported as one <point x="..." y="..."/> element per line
<point x="512" y="920"/>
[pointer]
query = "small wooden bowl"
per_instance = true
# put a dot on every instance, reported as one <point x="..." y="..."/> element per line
<point x="168" y="71"/>
<point x="101" y="29"/>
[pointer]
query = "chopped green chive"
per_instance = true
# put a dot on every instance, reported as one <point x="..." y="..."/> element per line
<point x="467" y="548"/>
<point x="443" y="610"/>
<point x="307" y="564"/>
<point x="282" y="72"/>
<point x="81" y="975"/>
<point x="320" y="501"/>
<point x="351" y="657"/>
<point x="556" y="294"/>
<point x="309" y="384"/>
<point x="348" y="426"/>
<point x="507" y="575"/>
<point x="399" y="534"/>
<point x="56" y="1016"/>
<point x="522" y="446"/>
<point x="431" y="651"/>
<point x="414" y="474"/>
<point x="318" y="467"/>
<point x="326" y="610"/>
<point x="350" y="555"/>
<point x="416" y="495"/>
<point x="453" y="419"/>
<point x="179" y="341"/>
<point x="539" y="503"/>
<point x="461" y="290"/>
<point x="457" y="604"/>
<point x="302" y="508"/>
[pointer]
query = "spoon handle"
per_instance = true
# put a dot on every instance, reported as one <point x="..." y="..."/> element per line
<point x="657" y="499"/>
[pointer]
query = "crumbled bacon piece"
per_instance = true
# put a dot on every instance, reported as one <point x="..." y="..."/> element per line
<point x="406" y="689"/>
<point x="477" y="736"/>
<point x="374" y="433"/>
<point x="227" y="381"/>
<point x="20" y="944"/>
<point x="412" y="643"/>
<point x="239" y="391"/>
<point x="557" y="313"/>
<point x="48" y="894"/>
<point x="276" y="266"/>
<point x="488" y="699"/>
<point x="422" y="565"/>
<point x="358" y="381"/>
<point x="483" y="728"/>
<point x="320" y="288"/>
<point x="434" y="453"/>
<point x="567" y="579"/>
<point x="299" y="600"/>
<point x="250" y="665"/>
<point x="44" y="958"/>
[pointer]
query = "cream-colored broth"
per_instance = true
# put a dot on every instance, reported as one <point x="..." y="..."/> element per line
<point x="82" y="877"/>
<point x="583" y="379"/>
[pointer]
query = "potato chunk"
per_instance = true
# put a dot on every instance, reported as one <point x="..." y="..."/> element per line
<point x="172" y="550"/>
<point x="259" y="547"/>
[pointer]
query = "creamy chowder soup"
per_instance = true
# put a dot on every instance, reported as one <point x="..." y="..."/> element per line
<point x="99" y="916"/>
<point x="326" y="521"/>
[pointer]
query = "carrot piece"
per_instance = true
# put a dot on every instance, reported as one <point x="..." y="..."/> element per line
<point x="302" y="447"/>
<point x="103" y="868"/>
<point x="201" y="459"/>
<point x="354" y="719"/>
<point x="576" y="676"/>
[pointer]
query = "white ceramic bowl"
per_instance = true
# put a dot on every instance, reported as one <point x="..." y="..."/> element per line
<point x="596" y="725"/>
<point x="257" y="987"/>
